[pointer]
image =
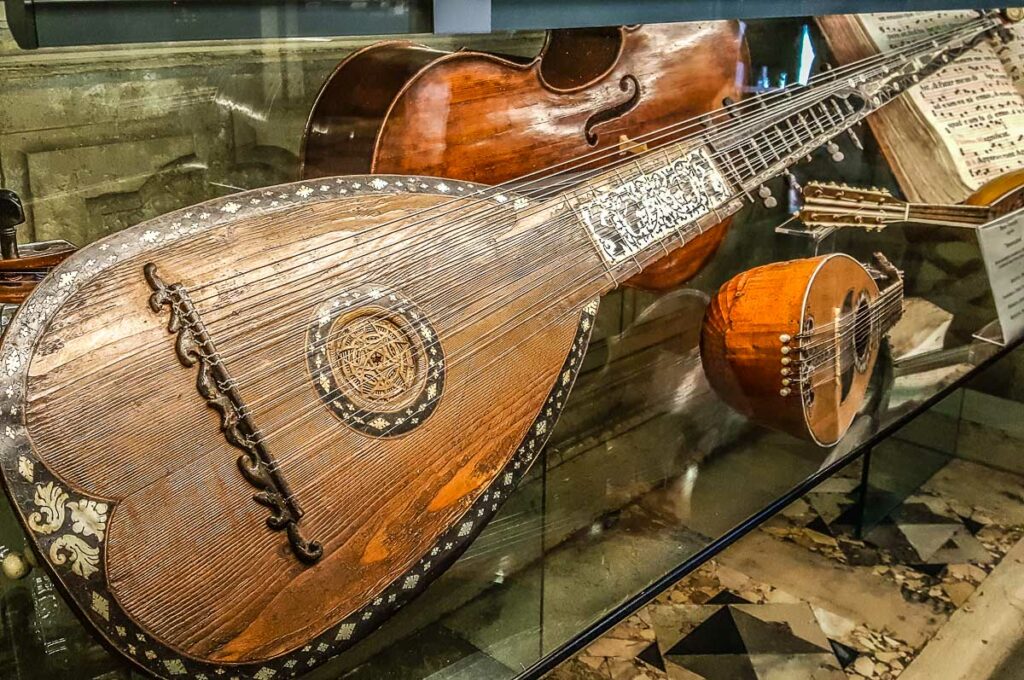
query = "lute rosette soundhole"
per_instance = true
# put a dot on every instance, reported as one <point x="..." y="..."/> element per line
<point x="375" y="361"/>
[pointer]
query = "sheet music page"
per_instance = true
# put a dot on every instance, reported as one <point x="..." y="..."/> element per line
<point x="1012" y="56"/>
<point x="1002" y="249"/>
<point x="972" y="103"/>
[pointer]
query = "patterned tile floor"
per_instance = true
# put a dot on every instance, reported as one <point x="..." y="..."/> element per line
<point x="917" y="566"/>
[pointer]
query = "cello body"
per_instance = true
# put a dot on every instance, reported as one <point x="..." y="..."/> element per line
<point x="401" y="108"/>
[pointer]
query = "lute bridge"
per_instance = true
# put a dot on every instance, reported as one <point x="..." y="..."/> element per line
<point x="195" y="346"/>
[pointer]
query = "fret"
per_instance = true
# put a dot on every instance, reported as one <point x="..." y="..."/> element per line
<point x="731" y="169"/>
<point x="796" y="134"/>
<point x="746" y="159"/>
<point x="782" y="139"/>
<point x="803" y="121"/>
<point x="815" y="117"/>
<point x="828" y="115"/>
<point x="757" y="148"/>
<point x="839" y="111"/>
<point x="773" y="155"/>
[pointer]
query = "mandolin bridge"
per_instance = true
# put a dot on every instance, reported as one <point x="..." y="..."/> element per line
<point x="194" y="346"/>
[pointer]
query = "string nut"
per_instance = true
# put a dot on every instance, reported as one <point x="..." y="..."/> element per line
<point x="763" y="191"/>
<point x="770" y="202"/>
<point x="785" y="350"/>
<point x="784" y="338"/>
<point x="785" y="382"/>
<point x="786" y="361"/>
<point x="786" y="371"/>
<point x="784" y="392"/>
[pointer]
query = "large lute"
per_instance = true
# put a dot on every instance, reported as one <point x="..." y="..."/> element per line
<point x="242" y="434"/>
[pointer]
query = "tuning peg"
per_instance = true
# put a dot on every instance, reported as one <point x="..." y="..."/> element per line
<point x="834" y="152"/>
<point x="727" y="104"/>
<point x="766" y="196"/>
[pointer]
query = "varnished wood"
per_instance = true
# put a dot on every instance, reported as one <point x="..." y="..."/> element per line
<point x="19" y="275"/>
<point x="742" y="342"/>
<point x="188" y="555"/>
<point x="397" y="107"/>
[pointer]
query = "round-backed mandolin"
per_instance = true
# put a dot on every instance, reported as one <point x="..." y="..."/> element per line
<point x="401" y="108"/>
<point x="792" y="345"/>
<point x="242" y="434"/>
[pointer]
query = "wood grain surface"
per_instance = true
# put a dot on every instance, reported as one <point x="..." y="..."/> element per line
<point x="397" y="107"/>
<point x="741" y="342"/>
<point x="114" y="415"/>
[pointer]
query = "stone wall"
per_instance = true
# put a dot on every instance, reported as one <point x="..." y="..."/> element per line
<point x="98" y="139"/>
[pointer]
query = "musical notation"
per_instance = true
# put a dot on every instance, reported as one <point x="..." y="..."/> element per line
<point x="976" y="104"/>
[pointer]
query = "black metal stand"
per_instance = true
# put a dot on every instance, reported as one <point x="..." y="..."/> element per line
<point x="12" y="213"/>
<point x="862" y="493"/>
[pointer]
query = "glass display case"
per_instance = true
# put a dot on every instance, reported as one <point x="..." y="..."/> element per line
<point x="648" y="472"/>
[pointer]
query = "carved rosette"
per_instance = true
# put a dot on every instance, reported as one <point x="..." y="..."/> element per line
<point x="375" y="361"/>
<point x="73" y="551"/>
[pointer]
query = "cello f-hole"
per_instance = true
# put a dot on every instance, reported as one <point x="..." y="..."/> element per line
<point x="627" y="84"/>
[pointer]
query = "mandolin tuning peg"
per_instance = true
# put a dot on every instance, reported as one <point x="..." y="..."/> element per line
<point x="766" y="196"/>
<point x="834" y="152"/>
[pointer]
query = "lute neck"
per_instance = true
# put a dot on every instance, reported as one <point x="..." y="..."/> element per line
<point x="652" y="202"/>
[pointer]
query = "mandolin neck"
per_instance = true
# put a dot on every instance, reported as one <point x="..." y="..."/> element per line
<point x="965" y="216"/>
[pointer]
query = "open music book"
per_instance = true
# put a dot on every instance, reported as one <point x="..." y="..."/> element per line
<point x="963" y="126"/>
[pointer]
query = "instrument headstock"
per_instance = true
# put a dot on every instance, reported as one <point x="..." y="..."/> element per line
<point x="840" y="205"/>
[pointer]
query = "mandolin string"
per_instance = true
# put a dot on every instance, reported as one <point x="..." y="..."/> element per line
<point x="432" y="272"/>
<point x="868" y="323"/>
<point x="833" y="74"/>
<point x="828" y="330"/>
<point x="863" y="326"/>
<point x="859" y="326"/>
<point x="250" y="374"/>
<point x="275" y="366"/>
<point x="737" y="181"/>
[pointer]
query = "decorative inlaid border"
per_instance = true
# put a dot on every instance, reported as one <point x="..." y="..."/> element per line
<point x="374" y="422"/>
<point x="68" y="529"/>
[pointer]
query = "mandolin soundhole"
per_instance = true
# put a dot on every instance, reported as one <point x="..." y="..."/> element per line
<point x="375" y="361"/>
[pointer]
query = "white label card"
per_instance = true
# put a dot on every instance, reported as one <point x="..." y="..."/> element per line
<point x="1002" y="249"/>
